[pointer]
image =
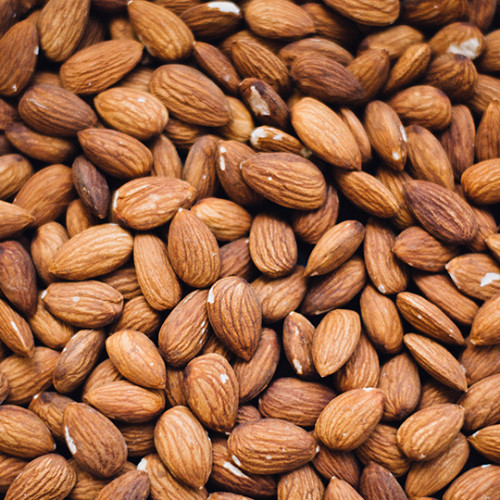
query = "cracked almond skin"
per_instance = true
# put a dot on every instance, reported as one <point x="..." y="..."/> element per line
<point x="325" y="133"/>
<point x="49" y="476"/>
<point x="212" y="391"/>
<point x="93" y="440"/>
<point x="349" y="418"/>
<point x="190" y="95"/>
<point x="184" y="446"/>
<point x="286" y="179"/>
<point x="287" y="445"/>
<point x="235" y="315"/>
<point x="190" y="236"/>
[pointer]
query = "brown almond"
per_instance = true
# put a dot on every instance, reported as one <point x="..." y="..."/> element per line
<point x="380" y="13"/>
<point x="298" y="332"/>
<point x="476" y="482"/>
<point x="15" y="170"/>
<point x="379" y="482"/>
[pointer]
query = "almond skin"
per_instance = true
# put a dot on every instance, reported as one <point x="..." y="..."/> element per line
<point x="379" y="13"/>
<point x="235" y="315"/>
<point x="253" y="442"/>
<point x="350" y="418"/>
<point x="286" y="179"/>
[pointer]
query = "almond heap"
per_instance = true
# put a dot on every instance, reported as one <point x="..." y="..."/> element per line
<point x="250" y="249"/>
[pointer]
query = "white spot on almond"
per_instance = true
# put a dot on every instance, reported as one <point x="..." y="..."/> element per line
<point x="258" y="105"/>
<point x="69" y="441"/>
<point x="234" y="470"/>
<point x="228" y="7"/>
<point x="468" y="48"/>
<point x="223" y="378"/>
<point x="489" y="278"/>
<point x="142" y="464"/>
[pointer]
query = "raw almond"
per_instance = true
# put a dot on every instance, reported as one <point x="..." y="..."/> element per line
<point x="350" y="418"/>
<point x="298" y="332"/>
<point x="381" y="13"/>
<point x="484" y="330"/>
<point x="378" y="482"/>
<point x="476" y="482"/>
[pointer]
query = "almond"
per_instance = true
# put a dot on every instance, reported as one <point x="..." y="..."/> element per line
<point x="436" y="360"/>
<point x="252" y="443"/>
<point x="55" y="111"/>
<point x="480" y="361"/>
<point x="162" y="32"/>
<point x="135" y="481"/>
<point x="19" y="49"/>
<point x="295" y="400"/>
<point x="166" y="161"/>
<point x="184" y="446"/>
<point x="78" y="359"/>
<point x="97" y="67"/>
<point x="335" y="340"/>
<point x="86" y="304"/>
<point x="337" y="488"/>
<point x="190" y="95"/>
<point x="286" y="179"/>
<point x="189" y="235"/>
<point x="378" y="482"/>
<point x="49" y="476"/>
<point x="428" y="477"/>
<point x="93" y="252"/>
<point x="342" y="464"/>
<point x="486" y="442"/>
<point x="476" y="482"/>
<point x="350" y="418"/>
<point x="235" y="315"/>
<point x="132" y="111"/>
<point x="441" y="211"/>
<point x="484" y="330"/>
<point x="371" y="69"/>
<point x="151" y="201"/>
<point x="138" y="315"/>
<point x="23" y="433"/>
<point x="11" y="467"/>
<point x="93" y="440"/>
<point x="137" y="358"/>
<point x="428" y="432"/>
<point x="212" y="391"/>
<point x="480" y="182"/>
<point x="15" y="170"/>
<point x="380" y="13"/>
<point x="325" y="133"/>
<point x="155" y="275"/>
<point x="298" y="332"/>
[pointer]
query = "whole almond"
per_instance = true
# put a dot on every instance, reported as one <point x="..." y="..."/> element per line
<point x="190" y="95"/>
<point x="378" y="482"/>
<point x="480" y="182"/>
<point x="350" y="418"/>
<point x="484" y="329"/>
<point x="15" y="170"/>
<point x="428" y="477"/>
<point x="55" y="111"/>
<point x="23" y="434"/>
<point x="272" y="244"/>
<point x="93" y="252"/>
<point x="18" y="276"/>
<point x="184" y="446"/>
<point x="486" y="442"/>
<point x="137" y="358"/>
<point x="428" y="432"/>
<point x="132" y="111"/>
<point x="93" y="440"/>
<point x="325" y="133"/>
<point x="49" y="476"/>
<point x="381" y="320"/>
<point x="253" y="442"/>
<point x="286" y="179"/>
<point x="235" y="315"/>
<point x="138" y="315"/>
<point x="86" y="303"/>
<point x="371" y="69"/>
<point x="19" y="49"/>
<point x="212" y="391"/>
<point x="479" y="361"/>
<point x="189" y="235"/>
<point x="476" y="482"/>
<point x="334" y="340"/>
<point x="298" y="332"/>
<point x="381" y="13"/>
<point x="150" y="202"/>
<point x="283" y="398"/>
<point x="61" y="26"/>
<point x="441" y="211"/>
<point x="135" y="481"/>
<point x="77" y="360"/>
<point x="185" y="329"/>
<point x="41" y="204"/>
<point x="162" y="32"/>
<point x="338" y="488"/>
<point x="436" y="360"/>
<point x="11" y="467"/>
<point x="97" y="67"/>
<point x="342" y="464"/>
<point x="155" y="275"/>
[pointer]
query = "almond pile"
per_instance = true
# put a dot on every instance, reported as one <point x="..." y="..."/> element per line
<point x="249" y="250"/>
